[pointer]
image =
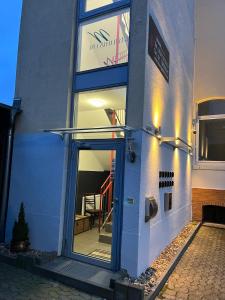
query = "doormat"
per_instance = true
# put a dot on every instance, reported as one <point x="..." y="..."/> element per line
<point x="101" y="254"/>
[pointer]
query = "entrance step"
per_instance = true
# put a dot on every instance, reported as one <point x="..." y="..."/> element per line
<point x="108" y="227"/>
<point x="105" y="237"/>
<point x="88" y="278"/>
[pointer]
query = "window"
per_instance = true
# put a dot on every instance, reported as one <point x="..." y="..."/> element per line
<point x="93" y="4"/>
<point x="211" y="131"/>
<point x="100" y="108"/>
<point x="104" y="41"/>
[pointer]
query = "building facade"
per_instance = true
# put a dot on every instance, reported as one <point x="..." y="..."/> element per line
<point x="102" y="151"/>
<point x="209" y="111"/>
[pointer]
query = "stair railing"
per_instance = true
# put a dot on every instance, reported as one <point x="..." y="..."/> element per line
<point x="106" y="187"/>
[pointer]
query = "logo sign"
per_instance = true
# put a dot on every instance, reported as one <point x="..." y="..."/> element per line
<point x="158" y="51"/>
<point x="100" y="36"/>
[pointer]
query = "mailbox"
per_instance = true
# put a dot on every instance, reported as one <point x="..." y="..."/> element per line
<point x="151" y="208"/>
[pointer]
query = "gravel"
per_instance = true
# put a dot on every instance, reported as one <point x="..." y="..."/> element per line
<point x="39" y="256"/>
<point x="150" y="278"/>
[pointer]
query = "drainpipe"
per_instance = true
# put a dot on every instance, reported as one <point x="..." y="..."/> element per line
<point x="3" y="212"/>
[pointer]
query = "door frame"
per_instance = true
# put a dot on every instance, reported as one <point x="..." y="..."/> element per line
<point x="105" y="144"/>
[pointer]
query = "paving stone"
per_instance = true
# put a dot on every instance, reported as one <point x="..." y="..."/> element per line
<point x="200" y="274"/>
<point x="17" y="284"/>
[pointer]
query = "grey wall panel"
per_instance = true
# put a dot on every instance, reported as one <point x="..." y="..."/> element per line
<point x="45" y="60"/>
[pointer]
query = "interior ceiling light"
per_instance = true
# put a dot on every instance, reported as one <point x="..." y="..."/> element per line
<point x="97" y="102"/>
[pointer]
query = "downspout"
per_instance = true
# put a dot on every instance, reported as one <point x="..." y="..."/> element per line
<point x="3" y="212"/>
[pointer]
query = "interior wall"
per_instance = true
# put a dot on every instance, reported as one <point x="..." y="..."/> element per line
<point x="88" y="161"/>
<point x="209" y="78"/>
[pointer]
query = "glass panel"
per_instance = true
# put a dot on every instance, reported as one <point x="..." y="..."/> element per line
<point x="94" y="204"/>
<point x="93" y="4"/>
<point x="212" y="140"/>
<point x="104" y="41"/>
<point x="100" y="108"/>
<point x="213" y="107"/>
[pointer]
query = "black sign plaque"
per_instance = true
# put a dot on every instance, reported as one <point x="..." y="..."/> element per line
<point x="157" y="50"/>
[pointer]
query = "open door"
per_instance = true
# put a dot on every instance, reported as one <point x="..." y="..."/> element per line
<point x="94" y="216"/>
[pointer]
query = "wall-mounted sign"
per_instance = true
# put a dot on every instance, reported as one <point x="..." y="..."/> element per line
<point x="157" y="50"/>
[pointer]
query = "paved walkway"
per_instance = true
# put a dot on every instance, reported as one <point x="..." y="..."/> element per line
<point x="17" y="284"/>
<point x="200" y="274"/>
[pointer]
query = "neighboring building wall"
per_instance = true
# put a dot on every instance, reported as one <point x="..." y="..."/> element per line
<point x="201" y="197"/>
<point x="208" y="84"/>
<point x="5" y="119"/>
<point x="168" y="106"/>
<point x="44" y="79"/>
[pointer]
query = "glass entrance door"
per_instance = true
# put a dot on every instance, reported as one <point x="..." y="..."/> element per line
<point x="96" y="203"/>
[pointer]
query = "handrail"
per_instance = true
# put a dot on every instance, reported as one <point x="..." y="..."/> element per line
<point x="102" y="194"/>
<point x="108" y="186"/>
<point x="105" y="182"/>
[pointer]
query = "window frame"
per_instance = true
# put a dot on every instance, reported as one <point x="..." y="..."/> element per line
<point x="95" y="15"/>
<point x="121" y="85"/>
<point x="121" y="71"/>
<point x="207" y="164"/>
<point x="83" y="16"/>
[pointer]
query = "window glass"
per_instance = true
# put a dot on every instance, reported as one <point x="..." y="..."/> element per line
<point x="104" y="41"/>
<point x="93" y="4"/>
<point x="100" y="108"/>
<point x="212" y="140"/>
<point x="213" y="107"/>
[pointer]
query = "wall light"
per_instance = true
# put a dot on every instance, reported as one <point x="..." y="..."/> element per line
<point x="177" y="142"/>
<point x="97" y="102"/>
<point x="158" y="132"/>
<point x="155" y="131"/>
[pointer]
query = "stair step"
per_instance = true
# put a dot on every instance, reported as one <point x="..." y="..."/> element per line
<point x="105" y="238"/>
<point x="108" y="227"/>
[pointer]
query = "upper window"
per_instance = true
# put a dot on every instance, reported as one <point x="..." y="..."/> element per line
<point x="94" y="4"/>
<point x="211" y="130"/>
<point x="104" y="41"/>
<point x="100" y="108"/>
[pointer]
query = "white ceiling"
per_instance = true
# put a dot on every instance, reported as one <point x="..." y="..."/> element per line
<point x="112" y="98"/>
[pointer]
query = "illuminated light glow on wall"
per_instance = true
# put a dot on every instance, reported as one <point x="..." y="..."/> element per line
<point x="153" y="156"/>
<point x="176" y="166"/>
<point x="178" y="106"/>
<point x="158" y="97"/>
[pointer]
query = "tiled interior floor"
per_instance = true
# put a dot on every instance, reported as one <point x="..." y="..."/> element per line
<point x="87" y="242"/>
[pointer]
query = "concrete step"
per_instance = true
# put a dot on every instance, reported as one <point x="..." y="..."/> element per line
<point x="105" y="237"/>
<point x="108" y="227"/>
<point x="88" y="278"/>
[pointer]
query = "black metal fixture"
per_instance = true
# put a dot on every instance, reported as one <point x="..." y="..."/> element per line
<point x="151" y="208"/>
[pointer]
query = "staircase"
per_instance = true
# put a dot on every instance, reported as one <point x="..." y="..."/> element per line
<point x="106" y="235"/>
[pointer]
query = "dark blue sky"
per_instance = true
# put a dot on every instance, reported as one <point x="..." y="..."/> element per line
<point x="10" y="13"/>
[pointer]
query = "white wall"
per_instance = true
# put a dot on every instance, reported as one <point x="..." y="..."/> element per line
<point x="209" y="77"/>
<point x="168" y="106"/>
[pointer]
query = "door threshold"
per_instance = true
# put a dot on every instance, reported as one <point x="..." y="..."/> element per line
<point x="87" y="278"/>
